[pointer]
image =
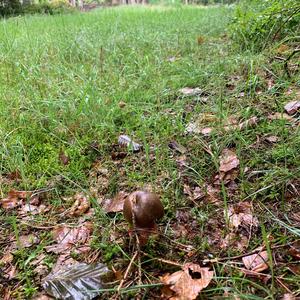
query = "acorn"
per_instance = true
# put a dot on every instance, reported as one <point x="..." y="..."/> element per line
<point x="142" y="209"/>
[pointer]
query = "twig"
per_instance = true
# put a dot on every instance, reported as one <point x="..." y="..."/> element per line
<point x="138" y="246"/>
<point x="287" y="60"/>
<point x="216" y="260"/>
<point x="169" y="262"/>
<point x="127" y="271"/>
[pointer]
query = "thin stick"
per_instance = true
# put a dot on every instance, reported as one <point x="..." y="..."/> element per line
<point x="169" y="262"/>
<point x="127" y="271"/>
<point x="216" y="260"/>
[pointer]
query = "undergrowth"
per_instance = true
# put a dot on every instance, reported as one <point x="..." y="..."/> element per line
<point x="72" y="84"/>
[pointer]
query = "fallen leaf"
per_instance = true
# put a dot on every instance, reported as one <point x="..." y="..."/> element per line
<point x="212" y="194"/>
<point x="122" y="104"/>
<point x="187" y="91"/>
<point x="187" y="283"/>
<point x="80" y="206"/>
<point x="256" y="262"/>
<point x="241" y="215"/>
<point x="63" y="158"/>
<point x="10" y="273"/>
<point x="272" y="138"/>
<point x="288" y="297"/>
<point x="80" y="281"/>
<point x="202" y="120"/>
<point x="270" y="83"/>
<point x="247" y="123"/>
<point x="280" y="116"/>
<point x="67" y="237"/>
<point x="115" y="204"/>
<point x="206" y="131"/>
<point x="25" y="241"/>
<point x="28" y="209"/>
<point x="177" y="147"/>
<point x="261" y="276"/>
<point x="126" y="141"/>
<point x="42" y="297"/>
<point x="228" y="161"/>
<point x="292" y="107"/>
<point x="200" y="40"/>
<point x="294" y="250"/>
<point x="9" y="203"/>
<point x="6" y="259"/>
<point x="234" y="241"/>
<point x="282" y="49"/>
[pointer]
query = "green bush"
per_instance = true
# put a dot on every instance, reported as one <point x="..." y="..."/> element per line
<point x="9" y="7"/>
<point x="257" y="23"/>
<point x="50" y="8"/>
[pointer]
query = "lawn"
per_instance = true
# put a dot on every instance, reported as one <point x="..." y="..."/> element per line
<point x="70" y="85"/>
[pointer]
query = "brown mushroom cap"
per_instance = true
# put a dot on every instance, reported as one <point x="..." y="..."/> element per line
<point x="146" y="208"/>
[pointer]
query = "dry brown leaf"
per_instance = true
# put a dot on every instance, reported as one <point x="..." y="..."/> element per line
<point x="288" y="297"/>
<point x="14" y="198"/>
<point x="256" y="262"/>
<point x="80" y="206"/>
<point x="42" y="297"/>
<point x="206" y="131"/>
<point x="6" y="259"/>
<point x="228" y="161"/>
<point x="67" y="237"/>
<point x="63" y="158"/>
<point x="261" y="276"/>
<point x="9" y="203"/>
<point x="295" y="250"/>
<point x="122" y="104"/>
<point x="115" y="204"/>
<point x="280" y="116"/>
<point x="25" y="241"/>
<point x="232" y="240"/>
<point x="187" y="283"/>
<point x="212" y="194"/>
<point x="292" y="107"/>
<point x="241" y="215"/>
<point x="200" y="40"/>
<point x="272" y="138"/>
<point x="28" y="209"/>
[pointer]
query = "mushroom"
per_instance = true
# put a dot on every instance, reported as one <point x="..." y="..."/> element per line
<point x="141" y="209"/>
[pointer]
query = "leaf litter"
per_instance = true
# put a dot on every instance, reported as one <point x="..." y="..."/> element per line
<point x="187" y="283"/>
<point x="67" y="238"/>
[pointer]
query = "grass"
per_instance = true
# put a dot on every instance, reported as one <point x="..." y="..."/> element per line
<point x="62" y="79"/>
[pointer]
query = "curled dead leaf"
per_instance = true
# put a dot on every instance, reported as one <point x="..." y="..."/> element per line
<point x="280" y="116"/>
<point x="116" y="204"/>
<point x="187" y="283"/>
<point x="80" y="206"/>
<point x="256" y="262"/>
<point x="67" y="237"/>
<point x="292" y="107"/>
<point x="228" y="161"/>
<point x="241" y="215"/>
<point x="25" y="241"/>
<point x="63" y="158"/>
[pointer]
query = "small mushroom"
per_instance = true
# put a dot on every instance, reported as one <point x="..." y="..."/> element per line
<point x="142" y="209"/>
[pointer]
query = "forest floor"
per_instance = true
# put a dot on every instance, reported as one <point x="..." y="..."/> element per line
<point x="218" y="141"/>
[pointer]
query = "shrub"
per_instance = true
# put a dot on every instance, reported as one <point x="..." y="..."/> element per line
<point x="257" y="23"/>
<point x="8" y="7"/>
<point x="51" y="8"/>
